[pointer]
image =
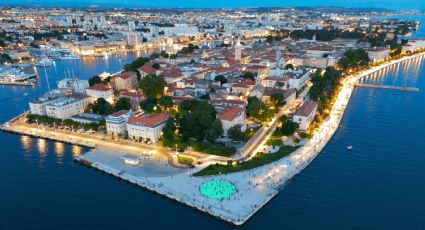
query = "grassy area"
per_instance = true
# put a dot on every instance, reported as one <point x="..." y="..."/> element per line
<point x="259" y="160"/>
<point x="185" y="160"/>
<point x="212" y="148"/>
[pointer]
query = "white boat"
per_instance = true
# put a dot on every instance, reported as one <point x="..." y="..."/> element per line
<point x="45" y="62"/>
<point x="69" y="57"/>
<point x="350" y="147"/>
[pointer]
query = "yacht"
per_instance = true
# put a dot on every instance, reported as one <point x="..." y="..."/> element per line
<point x="69" y="57"/>
<point x="45" y="62"/>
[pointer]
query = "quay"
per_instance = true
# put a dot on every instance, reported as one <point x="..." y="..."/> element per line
<point x="17" y="83"/>
<point x="377" y="86"/>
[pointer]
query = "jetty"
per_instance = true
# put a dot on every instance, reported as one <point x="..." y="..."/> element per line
<point x="379" y="86"/>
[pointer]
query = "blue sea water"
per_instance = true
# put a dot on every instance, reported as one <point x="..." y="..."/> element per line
<point x="380" y="184"/>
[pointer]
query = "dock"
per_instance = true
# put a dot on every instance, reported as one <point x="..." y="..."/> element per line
<point x="378" y="86"/>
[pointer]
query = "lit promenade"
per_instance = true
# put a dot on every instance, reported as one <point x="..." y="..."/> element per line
<point x="255" y="187"/>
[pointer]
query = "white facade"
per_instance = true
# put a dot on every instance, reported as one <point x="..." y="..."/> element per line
<point x="64" y="108"/>
<point x="100" y="92"/>
<point x="232" y="116"/>
<point x="74" y="84"/>
<point x="305" y="115"/>
<point x="116" y="124"/>
<point x="147" y="127"/>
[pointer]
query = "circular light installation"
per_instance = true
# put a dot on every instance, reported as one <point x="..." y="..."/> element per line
<point x="217" y="189"/>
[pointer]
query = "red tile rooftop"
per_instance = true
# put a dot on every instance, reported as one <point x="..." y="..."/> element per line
<point x="147" y="68"/>
<point x="99" y="87"/>
<point x="229" y="114"/>
<point x="126" y="75"/>
<point x="149" y="120"/>
<point x="78" y="96"/>
<point x="306" y="108"/>
<point x="119" y="113"/>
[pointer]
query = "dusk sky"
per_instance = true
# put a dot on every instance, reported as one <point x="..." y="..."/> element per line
<point x="389" y="4"/>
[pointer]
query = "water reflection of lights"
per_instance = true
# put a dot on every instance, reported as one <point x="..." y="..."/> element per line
<point x="26" y="142"/>
<point x="59" y="149"/>
<point x="42" y="146"/>
<point x="76" y="150"/>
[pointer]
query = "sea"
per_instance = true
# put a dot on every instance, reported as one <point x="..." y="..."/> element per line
<point x="379" y="184"/>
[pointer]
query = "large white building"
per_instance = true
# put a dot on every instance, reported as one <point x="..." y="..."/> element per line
<point x="56" y="106"/>
<point x="116" y="124"/>
<point x="378" y="53"/>
<point x="147" y="127"/>
<point x="305" y="114"/>
<point x="74" y="84"/>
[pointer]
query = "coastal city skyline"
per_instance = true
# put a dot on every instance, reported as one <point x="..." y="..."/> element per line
<point x="383" y="4"/>
<point x="212" y="115"/>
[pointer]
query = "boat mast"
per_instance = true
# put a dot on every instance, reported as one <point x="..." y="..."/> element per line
<point x="47" y="79"/>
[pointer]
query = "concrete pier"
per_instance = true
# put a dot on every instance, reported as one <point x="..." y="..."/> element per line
<point x="376" y="86"/>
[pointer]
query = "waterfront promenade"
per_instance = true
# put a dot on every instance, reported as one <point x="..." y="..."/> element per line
<point x="254" y="187"/>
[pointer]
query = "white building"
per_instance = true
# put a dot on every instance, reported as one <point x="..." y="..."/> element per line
<point x="147" y="127"/>
<point x="378" y="53"/>
<point x="116" y="124"/>
<point x="100" y="91"/>
<point x="74" y="84"/>
<point x="179" y="30"/>
<point x="238" y="51"/>
<point x="305" y="114"/>
<point x="232" y="116"/>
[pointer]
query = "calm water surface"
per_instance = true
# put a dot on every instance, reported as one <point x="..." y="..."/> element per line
<point x="380" y="184"/>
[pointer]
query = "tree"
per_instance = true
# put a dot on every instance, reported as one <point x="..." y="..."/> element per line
<point x="95" y="80"/>
<point x="101" y="106"/>
<point x="289" y="66"/>
<point x="156" y="65"/>
<point x="122" y="104"/>
<point x="152" y="85"/>
<point x="222" y="79"/>
<point x="278" y="100"/>
<point x="197" y="119"/>
<point x="134" y="65"/>
<point x="353" y="59"/>
<point x="289" y="128"/>
<point x="258" y="110"/>
<point x="235" y="133"/>
<point x="248" y="75"/>
<point x="168" y="133"/>
<point x="166" y="102"/>
<point x="149" y="105"/>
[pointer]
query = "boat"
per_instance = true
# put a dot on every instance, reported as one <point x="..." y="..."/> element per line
<point x="350" y="147"/>
<point x="16" y="76"/>
<point x="45" y="62"/>
<point x="69" y="57"/>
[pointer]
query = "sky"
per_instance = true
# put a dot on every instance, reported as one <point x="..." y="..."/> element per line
<point x="388" y="4"/>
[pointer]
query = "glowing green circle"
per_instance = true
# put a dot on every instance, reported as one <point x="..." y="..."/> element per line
<point x="217" y="189"/>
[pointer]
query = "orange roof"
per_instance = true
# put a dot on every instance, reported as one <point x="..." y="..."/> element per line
<point x="148" y="69"/>
<point x="119" y="113"/>
<point x="230" y="113"/>
<point x="149" y="120"/>
<point x="99" y="87"/>
<point x="127" y="75"/>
